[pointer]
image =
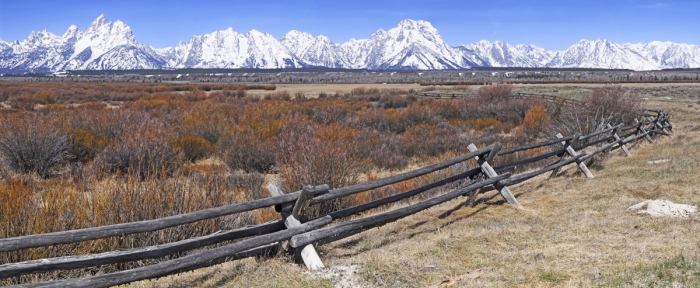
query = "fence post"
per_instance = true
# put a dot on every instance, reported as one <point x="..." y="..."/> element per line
<point x="641" y="128"/>
<point x="617" y="138"/>
<point x="562" y="155"/>
<point x="490" y="173"/>
<point x="292" y="213"/>
<point x="573" y="153"/>
<point x="659" y="116"/>
<point x="667" y="123"/>
<point x="308" y="253"/>
<point x="475" y="193"/>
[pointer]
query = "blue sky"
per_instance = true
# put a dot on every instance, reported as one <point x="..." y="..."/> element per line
<point x="548" y="24"/>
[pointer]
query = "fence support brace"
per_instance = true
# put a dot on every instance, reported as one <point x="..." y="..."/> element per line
<point x="562" y="155"/>
<point x="573" y="153"/>
<point x="622" y="145"/>
<point x="490" y="173"/>
<point x="641" y="128"/>
<point x="291" y="219"/>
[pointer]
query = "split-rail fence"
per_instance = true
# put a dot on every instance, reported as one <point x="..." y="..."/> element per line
<point x="291" y="235"/>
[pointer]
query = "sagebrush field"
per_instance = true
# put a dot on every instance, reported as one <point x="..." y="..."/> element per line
<point x="84" y="155"/>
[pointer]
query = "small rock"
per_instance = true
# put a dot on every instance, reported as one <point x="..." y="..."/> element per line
<point x="659" y="161"/>
<point x="660" y="208"/>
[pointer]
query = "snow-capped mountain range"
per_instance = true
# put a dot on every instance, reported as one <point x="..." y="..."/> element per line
<point x="410" y="45"/>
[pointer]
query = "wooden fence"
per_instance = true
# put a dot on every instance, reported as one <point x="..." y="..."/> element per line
<point x="291" y="235"/>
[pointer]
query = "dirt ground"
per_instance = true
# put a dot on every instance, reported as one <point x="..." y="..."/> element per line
<point x="572" y="231"/>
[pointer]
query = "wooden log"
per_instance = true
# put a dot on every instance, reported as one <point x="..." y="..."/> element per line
<point x="264" y="251"/>
<point x="633" y="139"/>
<point x="65" y="237"/>
<point x="624" y="148"/>
<point x="397" y="197"/>
<point x="634" y="126"/>
<point x="659" y="117"/>
<point x="522" y="177"/>
<point x="151" y="252"/>
<point x="285" y="210"/>
<point x="494" y="151"/>
<point x="640" y="136"/>
<point x="308" y="253"/>
<point x="641" y="128"/>
<point x="362" y="224"/>
<point x="275" y="189"/>
<point x="200" y="259"/>
<point x="573" y="153"/>
<point x="529" y="160"/>
<point x="593" y="143"/>
<point x="562" y="156"/>
<point x="608" y="129"/>
<point x="475" y="193"/>
<point x="662" y="128"/>
<point x="489" y="172"/>
<point x="307" y="192"/>
<point x="602" y="149"/>
<point x="511" y="150"/>
<point x="349" y="190"/>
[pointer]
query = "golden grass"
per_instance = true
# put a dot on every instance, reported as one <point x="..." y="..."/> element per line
<point x="312" y="90"/>
<point x="572" y="232"/>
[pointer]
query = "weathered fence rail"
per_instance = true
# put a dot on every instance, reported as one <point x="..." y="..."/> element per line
<point x="267" y="238"/>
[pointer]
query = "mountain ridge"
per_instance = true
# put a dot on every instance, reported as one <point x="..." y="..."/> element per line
<point x="411" y="45"/>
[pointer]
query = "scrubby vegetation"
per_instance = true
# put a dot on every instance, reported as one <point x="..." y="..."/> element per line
<point x="95" y="154"/>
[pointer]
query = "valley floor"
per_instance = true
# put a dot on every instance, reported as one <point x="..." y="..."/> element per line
<point x="571" y="232"/>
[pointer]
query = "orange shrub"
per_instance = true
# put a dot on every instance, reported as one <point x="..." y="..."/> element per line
<point x="315" y="155"/>
<point x="483" y="123"/>
<point x="146" y="151"/>
<point x="536" y="120"/>
<point x="193" y="147"/>
<point x="85" y="144"/>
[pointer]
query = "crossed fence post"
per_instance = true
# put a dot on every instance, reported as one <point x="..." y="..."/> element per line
<point x="562" y="155"/>
<point x="292" y="216"/>
<point x="640" y="128"/>
<point x="570" y="150"/>
<point x="617" y="138"/>
<point x="490" y="173"/>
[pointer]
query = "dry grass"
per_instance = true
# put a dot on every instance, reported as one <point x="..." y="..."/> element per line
<point x="312" y="90"/>
<point x="572" y="232"/>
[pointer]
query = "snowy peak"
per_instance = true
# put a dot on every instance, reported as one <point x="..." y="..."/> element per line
<point x="39" y="39"/>
<point x="410" y="24"/>
<point x="71" y="33"/>
<point x="668" y="54"/>
<point x="100" y="21"/>
<point x="502" y="54"/>
<point x="230" y="49"/>
<point x="411" y="44"/>
<point x="102" y="38"/>
<point x="314" y="51"/>
<point x="599" y="53"/>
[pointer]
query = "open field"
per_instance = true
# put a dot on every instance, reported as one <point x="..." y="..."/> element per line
<point x="573" y="90"/>
<point x="572" y="232"/>
<point x="312" y="90"/>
